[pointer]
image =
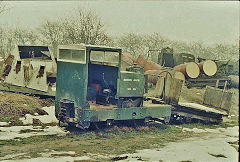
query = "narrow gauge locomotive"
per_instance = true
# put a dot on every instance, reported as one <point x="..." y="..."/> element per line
<point x="92" y="88"/>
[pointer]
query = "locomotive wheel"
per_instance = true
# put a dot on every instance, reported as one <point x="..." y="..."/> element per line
<point x="167" y="120"/>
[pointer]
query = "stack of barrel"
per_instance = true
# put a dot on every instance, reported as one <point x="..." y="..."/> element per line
<point x="189" y="70"/>
<point x="193" y="70"/>
<point x="182" y="71"/>
<point x="154" y="71"/>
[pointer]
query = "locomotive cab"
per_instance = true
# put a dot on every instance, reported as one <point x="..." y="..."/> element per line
<point x="92" y="88"/>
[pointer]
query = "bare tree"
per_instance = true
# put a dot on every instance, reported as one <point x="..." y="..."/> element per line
<point x="10" y="37"/>
<point x="137" y="44"/>
<point x="52" y="34"/>
<point x="23" y="36"/>
<point x="133" y="44"/>
<point x="84" y="26"/>
<point x="3" y="6"/>
<point x="155" y="41"/>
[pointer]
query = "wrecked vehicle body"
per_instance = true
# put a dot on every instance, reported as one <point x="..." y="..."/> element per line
<point x="30" y="69"/>
<point x="92" y="89"/>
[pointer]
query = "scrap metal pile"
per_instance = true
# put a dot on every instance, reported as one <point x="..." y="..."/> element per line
<point x="165" y="76"/>
<point x="33" y="70"/>
<point x="194" y="72"/>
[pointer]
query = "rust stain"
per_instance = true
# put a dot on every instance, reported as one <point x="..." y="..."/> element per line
<point x="9" y="60"/>
<point x="6" y="71"/>
<point x="18" y="66"/>
<point x="41" y="72"/>
<point x="27" y="73"/>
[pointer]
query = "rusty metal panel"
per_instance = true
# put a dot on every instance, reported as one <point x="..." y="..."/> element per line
<point x="159" y="87"/>
<point x="226" y="101"/>
<point x="218" y="98"/>
<point x="212" y="97"/>
<point x="172" y="91"/>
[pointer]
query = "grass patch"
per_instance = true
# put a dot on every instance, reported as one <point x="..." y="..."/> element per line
<point x="12" y="120"/>
<point x="116" y="140"/>
<point x="110" y="141"/>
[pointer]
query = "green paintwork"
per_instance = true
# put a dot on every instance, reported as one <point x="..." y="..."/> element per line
<point x="74" y="78"/>
<point x="227" y="67"/>
<point x="165" y="57"/>
<point x="136" y="69"/>
<point x="71" y="83"/>
<point x="130" y="84"/>
<point x="182" y="58"/>
<point x="159" y="111"/>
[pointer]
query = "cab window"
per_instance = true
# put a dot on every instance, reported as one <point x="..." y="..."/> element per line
<point x="104" y="57"/>
<point x="72" y="55"/>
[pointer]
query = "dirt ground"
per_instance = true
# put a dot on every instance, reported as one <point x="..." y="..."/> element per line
<point x="14" y="105"/>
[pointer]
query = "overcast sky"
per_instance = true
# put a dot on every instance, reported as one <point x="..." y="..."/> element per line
<point x="207" y="21"/>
